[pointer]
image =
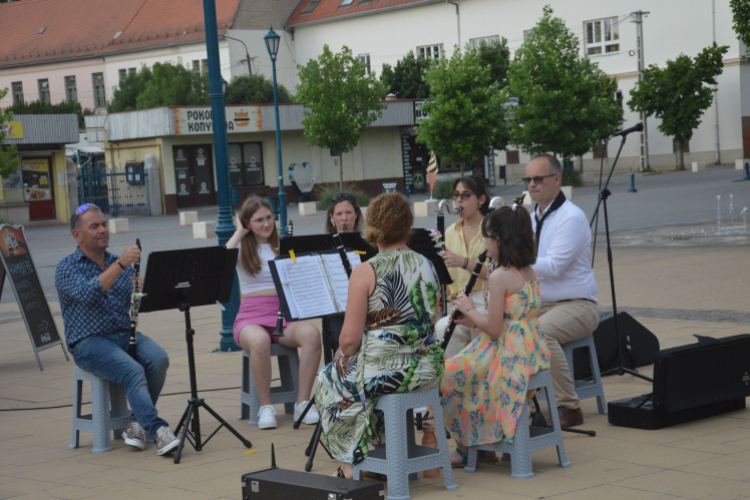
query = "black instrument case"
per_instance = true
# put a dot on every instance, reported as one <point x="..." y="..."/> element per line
<point x="282" y="484"/>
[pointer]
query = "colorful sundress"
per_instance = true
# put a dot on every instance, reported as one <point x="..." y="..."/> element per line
<point x="398" y="354"/>
<point x="484" y="386"/>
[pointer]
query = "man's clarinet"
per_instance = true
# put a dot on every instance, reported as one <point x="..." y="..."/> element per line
<point x="135" y="304"/>
<point x="467" y="291"/>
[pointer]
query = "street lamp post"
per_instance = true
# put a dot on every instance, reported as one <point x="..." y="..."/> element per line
<point x="225" y="227"/>
<point x="247" y="53"/>
<point x="272" y="44"/>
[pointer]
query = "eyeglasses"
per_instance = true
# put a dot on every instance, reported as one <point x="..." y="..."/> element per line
<point x="263" y="220"/>
<point x="79" y="211"/>
<point x="464" y="196"/>
<point x="537" y="180"/>
<point x="342" y="196"/>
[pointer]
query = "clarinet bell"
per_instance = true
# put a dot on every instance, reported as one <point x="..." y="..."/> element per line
<point x="279" y="331"/>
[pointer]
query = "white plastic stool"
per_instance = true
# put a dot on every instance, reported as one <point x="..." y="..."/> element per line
<point x="402" y="456"/>
<point x="587" y="388"/>
<point x="528" y="438"/>
<point x="287" y="393"/>
<point x="109" y="411"/>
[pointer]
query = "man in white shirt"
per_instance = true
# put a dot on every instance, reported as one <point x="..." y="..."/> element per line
<point x="570" y="308"/>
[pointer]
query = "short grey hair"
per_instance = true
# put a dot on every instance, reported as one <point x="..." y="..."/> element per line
<point x="554" y="163"/>
<point x="75" y="219"/>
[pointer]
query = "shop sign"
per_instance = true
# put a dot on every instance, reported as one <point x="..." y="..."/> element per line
<point x="197" y="120"/>
<point x="13" y="130"/>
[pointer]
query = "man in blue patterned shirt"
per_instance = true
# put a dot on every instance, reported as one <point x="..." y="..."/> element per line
<point x="94" y="288"/>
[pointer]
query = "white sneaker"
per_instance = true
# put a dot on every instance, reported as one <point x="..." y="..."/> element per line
<point x="166" y="441"/>
<point x="312" y="416"/>
<point x="267" y="417"/>
<point x="134" y="435"/>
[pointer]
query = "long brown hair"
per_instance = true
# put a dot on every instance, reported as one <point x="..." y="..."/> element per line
<point x="249" y="255"/>
<point x="512" y="228"/>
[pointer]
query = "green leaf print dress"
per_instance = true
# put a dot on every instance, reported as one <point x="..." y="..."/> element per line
<point x="398" y="354"/>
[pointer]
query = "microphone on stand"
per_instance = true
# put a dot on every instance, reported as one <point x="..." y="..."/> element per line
<point x="638" y="127"/>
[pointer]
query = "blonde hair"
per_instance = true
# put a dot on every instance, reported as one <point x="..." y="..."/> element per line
<point x="389" y="219"/>
<point x="249" y="256"/>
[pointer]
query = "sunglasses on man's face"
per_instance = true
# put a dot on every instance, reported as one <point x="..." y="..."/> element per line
<point x="79" y="211"/>
<point x="464" y="196"/>
<point x="342" y="196"/>
<point x="537" y="180"/>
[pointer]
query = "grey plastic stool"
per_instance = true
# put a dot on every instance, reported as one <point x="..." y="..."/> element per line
<point x="402" y="456"/>
<point x="587" y="388"/>
<point x="528" y="439"/>
<point x="287" y="393"/>
<point x="109" y="411"/>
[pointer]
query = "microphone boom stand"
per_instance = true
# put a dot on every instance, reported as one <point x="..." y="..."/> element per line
<point x="620" y="369"/>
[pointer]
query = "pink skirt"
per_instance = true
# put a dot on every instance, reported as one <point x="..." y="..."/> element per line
<point x="261" y="310"/>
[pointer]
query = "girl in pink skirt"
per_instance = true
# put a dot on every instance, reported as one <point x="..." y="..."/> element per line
<point x="258" y="241"/>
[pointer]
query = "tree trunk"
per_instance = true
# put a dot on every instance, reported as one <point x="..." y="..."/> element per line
<point x="341" y="172"/>
<point x="681" y="163"/>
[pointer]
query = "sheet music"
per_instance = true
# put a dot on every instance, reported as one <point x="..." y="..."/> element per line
<point x="307" y="284"/>
<point x="338" y="275"/>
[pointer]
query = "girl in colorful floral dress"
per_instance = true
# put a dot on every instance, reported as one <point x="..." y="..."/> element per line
<point x="484" y="386"/>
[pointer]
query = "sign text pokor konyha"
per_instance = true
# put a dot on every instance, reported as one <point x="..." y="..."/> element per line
<point x="15" y="259"/>
<point x="197" y="120"/>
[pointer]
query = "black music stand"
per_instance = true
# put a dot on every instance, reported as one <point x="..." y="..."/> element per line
<point x="181" y="279"/>
<point x="421" y="241"/>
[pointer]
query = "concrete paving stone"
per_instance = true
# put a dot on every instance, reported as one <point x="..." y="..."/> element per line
<point x="602" y="471"/>
<point x="491" y="476"/>
<point x="9" y="494"/>
<point x="733" y="467"/>
<point x="614" y="493"/>
<point x="683" y="484"/>
<point x="31" y="485"/>
<point x="651" y="455"/>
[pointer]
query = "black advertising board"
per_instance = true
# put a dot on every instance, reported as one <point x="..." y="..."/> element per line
<point x="19" y="266"/>
<point x="406" y="154"/>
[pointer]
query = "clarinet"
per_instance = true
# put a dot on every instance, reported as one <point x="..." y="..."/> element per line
<point x="135" y="304"/>
<point x="279" y="331"/>
<point x="467" y="291"/>
<point x="340" y="247"/>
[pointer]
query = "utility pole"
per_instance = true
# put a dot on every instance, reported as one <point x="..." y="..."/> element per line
<point x="644" y="163"/>
<point x="716" y="92"/>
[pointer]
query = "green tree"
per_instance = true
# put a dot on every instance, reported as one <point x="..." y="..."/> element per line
<point x="341" y="101"/>
<point x="41" y="108"/>
<point x="166" y="84"/>
<point x="680" y="93"/>
<point x="467" y="117"/>
<point x="567" y="104"/>
<point x="496" y="56"/>
<point x="407" y="79"/>
<point x="8" y="160"/>
<point x="741" y="20"/>
<point x="254" y="89"/>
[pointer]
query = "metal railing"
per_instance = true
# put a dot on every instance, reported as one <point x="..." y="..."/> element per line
<point x="115" y="190"/>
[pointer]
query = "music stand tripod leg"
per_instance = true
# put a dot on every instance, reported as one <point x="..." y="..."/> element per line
<point x="186" y="417"/>
<point x="231" y="429"/>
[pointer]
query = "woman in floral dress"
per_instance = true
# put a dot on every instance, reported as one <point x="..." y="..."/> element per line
<point x="484" y="386"/>
<point x="387" y="344"/>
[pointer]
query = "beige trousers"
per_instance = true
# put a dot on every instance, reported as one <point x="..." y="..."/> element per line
<point x="564" y="322"/>
<point x="462" y="336"/>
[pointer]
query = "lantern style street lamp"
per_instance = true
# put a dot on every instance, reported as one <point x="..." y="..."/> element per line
<point x="272" y="40"/>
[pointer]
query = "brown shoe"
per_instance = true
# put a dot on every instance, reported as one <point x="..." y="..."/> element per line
<point x="570" y="417"/>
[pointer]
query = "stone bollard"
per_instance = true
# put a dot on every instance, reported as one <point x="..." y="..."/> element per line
<point x="567" y="191"/>
<point x="699" y="166"/>
<point x="188" y="218"/>
<point x="307" y="208"/>
<point x="527" y="201"/>
<point x="117" y="226"/>
<point x="740" y="164"/>
<point x="204" y="230"/>
<point x="426" y="208"/>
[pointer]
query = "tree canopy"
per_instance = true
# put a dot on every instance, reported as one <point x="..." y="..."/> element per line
<point x="679" y="94"/>
<point x="407" y="80"/>
<point x="41" y="108"/>
<point x="567" y="105"/>
<point x="741" y="20"/>
<point x="8" y="160"/>
<point x="254" y="89"/>
<point x="166" y="84"/>
<point x="467" y="117"/>
<point x="341" y="101"/>
<point x="496" y="56"/>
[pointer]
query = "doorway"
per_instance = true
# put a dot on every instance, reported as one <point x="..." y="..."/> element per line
<point x="194" y="176"/>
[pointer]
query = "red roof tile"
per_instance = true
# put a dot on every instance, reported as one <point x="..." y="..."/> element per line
<point x="330" y="10"/>
<point x="85" y="28"/>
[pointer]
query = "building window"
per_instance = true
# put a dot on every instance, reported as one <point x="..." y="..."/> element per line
<point x="430" y="51"/>
<point x="600" y="151"/>
<point x="44" y="91"/>
<point x="346" y="3"/>
<point x="246" y="164"/>
<point x="526" y="34"/>
<point x="71" y="92"/>
<point x="197" y="67"/>
<point x="204" y="67"/>
<point x="100" y="99"/>
<point x="123" y="74"/>
<point x="474" y="43"/>
<point x="131" y="71"/>
<point x="512" y="157"/>
<point x="602" y="36"/>
<point x="365" y="59"/>
<point x="17" y="93"/>
<point x="311" y="6"/>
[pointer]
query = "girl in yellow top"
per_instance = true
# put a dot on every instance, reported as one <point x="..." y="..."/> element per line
<point x="463" y="244"/>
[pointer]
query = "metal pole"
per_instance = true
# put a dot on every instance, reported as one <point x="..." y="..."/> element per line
<point x="282" y="193"/>
<point x="644" y="162"/>
<point x="225" y="227"/>
<point x="716" y="91"/>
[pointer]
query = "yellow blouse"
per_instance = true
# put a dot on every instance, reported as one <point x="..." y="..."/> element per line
<point x="454" y="241"/>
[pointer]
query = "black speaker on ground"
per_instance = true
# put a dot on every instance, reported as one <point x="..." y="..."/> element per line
<point x="639" y="345"/>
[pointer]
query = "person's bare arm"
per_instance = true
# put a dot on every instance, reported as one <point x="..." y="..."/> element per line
<point x="361" y="286"/>
<point x="110" y="275"/>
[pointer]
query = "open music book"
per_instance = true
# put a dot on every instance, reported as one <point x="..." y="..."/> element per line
<point x="316" y="285"/>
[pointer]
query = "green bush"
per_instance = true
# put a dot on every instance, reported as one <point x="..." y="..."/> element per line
<point x="324" y="193"/>
<point x="443" y="189"/>
<point x="61" y="108"/>
<point x="571" y="177"/>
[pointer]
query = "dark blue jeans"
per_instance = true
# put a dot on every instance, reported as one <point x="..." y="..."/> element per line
<point x="106" y="356"/>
